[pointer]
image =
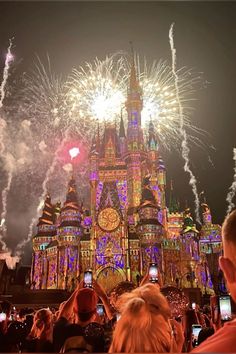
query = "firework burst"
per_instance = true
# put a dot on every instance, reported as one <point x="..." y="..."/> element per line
<point x="98" y="92"/>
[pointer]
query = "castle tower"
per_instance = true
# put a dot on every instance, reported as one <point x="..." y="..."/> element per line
<point x="69" y="235"/>
<point x="109" y="238"/>
<point x="135" y="144"/>
<point x="149" y="229"/>
<point x="46" y="232"/>
<point x="175" y="217"/>
<point x="123" y="146"/>
<point x="210" y="248"/>
<point x="94" y="158"/>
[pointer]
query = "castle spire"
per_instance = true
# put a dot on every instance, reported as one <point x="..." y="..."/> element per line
<point x="206" y="212"/>
<point x="71" y="197"/>
<point x="134" y="84"/>
<point x="152" y="139"/>
<point x="47" y="215"/>
<point x="122" y="127"/>
<point x="173" y="205"/>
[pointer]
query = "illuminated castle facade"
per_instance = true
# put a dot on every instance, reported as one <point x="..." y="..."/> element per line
<point x="129" y="223"/>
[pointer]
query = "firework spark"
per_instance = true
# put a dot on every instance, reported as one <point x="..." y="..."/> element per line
<point x="49" y="174"/>
<point x="232" y="189"/>
<point x="99" y="91"/>
<point x="8" y="60"/>
<point x="184" y="144"/>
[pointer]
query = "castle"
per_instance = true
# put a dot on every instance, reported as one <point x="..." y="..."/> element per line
<point x="129" y="223"/>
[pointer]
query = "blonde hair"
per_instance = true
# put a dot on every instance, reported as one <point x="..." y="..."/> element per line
<point x="144" y="323"/>
<point x="42" y="325"/>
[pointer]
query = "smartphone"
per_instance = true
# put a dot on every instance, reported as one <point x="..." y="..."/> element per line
<point x="3" y="316"/>
<point x="225" y="308"/>
<point x="88" y="279"/>
<point x="153" y="273"/>
<point x="100" y="309"/>
<point x="193" y="305"/>
<point x="196" y="328"/>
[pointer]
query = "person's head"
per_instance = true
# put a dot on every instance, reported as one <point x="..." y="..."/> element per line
<point x="6" y="307"/>
<point x="22" y="315"/>
<point x="120" y="289"/>
<point x="144" y="322"/>
<point x="204" y="334"/>
<point x="85" y="305"/>
<point x="42" y="325"/>
<point x="228" y="260"/>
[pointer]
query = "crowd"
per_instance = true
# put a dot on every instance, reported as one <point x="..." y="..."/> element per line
<point x="130" y="320"/>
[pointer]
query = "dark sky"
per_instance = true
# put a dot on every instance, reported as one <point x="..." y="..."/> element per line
<point x="205" y="39"/>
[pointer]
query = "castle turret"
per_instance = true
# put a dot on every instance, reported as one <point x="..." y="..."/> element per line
<point x="149" y="228"/>
<point x="175" y="217"/>
<point x="122" y="137"/>
<point x="69" y="235"/>
<point x="45" y="233"/>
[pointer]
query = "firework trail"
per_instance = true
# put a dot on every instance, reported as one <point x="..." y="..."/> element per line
<point x="232" y="189"/>
<point x="9" y="58"/>
<point x="49" y="174"/>
<point x="5" y="191"/>
<point x="184" y="144"/>
<point x="4" y="208"/>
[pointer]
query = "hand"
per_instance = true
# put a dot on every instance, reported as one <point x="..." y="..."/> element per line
<point x="99" y="290"/>
<point x="178" y="336"/>
<point x="145" y="279"/>
<point x="80" y="285"/>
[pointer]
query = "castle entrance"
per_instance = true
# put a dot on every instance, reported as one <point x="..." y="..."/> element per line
<point x="109" y="277"/>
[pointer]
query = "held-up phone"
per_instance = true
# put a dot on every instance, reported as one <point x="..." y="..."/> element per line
<point x="225" y="308"/>
<point x="3" y="316"/>
<point x="100" y="309"/>
<point x="153" y="273"/>
<point x="88" y="279"/>
<point x="193" y="305"/>
<point x="196" y="328"/>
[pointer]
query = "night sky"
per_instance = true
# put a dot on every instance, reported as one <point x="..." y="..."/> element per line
<point x="205" y="39"/>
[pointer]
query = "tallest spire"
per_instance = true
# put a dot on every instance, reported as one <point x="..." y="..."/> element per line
<point x="134" y="84"/>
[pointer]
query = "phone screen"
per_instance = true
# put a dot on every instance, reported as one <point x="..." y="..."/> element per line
<point x="194" y="305"/>
<point x="225" y="308"/>
<point x="153" y="273"/>
<point x="100" y="309"/>
<point x="195" y="332"/>
<point x="2" y="316"/>
<point x="88" y="279"/>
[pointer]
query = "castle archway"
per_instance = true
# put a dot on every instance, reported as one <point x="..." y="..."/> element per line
<point x="109" y="276"/>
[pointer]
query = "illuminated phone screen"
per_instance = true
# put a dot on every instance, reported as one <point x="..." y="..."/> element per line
<point x="195" y="332"/>
<point x="225" y="308"/>
<point x="153" y="273"/>
<point x="88" y="279"/>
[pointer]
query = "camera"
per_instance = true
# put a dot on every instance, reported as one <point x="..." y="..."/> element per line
<point x="100" y="309"/>
<point x="153" y="273"/>
<point x="88" y="279"/>
<point x="221" y="308"/>
<point x="225" y="308"/>
<point x="196" y="328"/>
<point x="2" y="316"/>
